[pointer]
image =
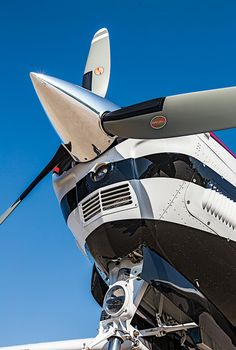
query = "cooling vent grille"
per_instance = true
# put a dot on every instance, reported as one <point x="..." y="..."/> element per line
<point x="91" y="207"/>
<point x="116" y="197"/>
<point x="220" y="207"/>
<point x="107" y="199"/>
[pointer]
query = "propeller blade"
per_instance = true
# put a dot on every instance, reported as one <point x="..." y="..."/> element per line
<point x="177" y="115"/>
<point x="97" y="69"/>
<point x="60" y="155"/>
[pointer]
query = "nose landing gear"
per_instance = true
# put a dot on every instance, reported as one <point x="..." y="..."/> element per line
<point x="119" y="307"/>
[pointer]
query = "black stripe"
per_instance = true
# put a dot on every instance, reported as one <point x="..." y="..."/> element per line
<point x="171" y="165"/>
<point x="87" y="80"/>
<point x="69" y="203"/>
<point x="151" y="106"/>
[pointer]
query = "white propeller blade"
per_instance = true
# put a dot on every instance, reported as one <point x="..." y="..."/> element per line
<point x="172" y="116"/>
<point x="97" y="70"/>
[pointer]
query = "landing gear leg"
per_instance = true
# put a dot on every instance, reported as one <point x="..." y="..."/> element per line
<point x="114" y="343"/>
<point x="120" y="304"/>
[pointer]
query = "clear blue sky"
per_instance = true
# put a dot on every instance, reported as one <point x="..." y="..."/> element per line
<point x="158" y="48"/>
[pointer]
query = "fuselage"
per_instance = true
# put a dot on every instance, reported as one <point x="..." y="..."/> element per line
<point x="175" y="195"/>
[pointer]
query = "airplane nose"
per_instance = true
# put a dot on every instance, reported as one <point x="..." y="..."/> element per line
<point x="75" y="114"/>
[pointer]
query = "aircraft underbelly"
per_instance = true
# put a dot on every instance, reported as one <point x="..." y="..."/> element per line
<point x="206" y="260"/>
<point x="161" y="219"/>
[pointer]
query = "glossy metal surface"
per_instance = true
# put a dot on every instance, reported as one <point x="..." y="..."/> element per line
<point x="184" y="295"/>
<point x="75" y="114"/>
<point x="114" y="343"/>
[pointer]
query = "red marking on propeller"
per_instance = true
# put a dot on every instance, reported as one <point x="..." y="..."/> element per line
<point x="56" y="170"/>
<point x="99" y="70"/>
<point x="158" y="122"/>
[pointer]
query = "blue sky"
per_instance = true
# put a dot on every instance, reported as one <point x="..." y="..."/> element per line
<point x="158" y="48"/>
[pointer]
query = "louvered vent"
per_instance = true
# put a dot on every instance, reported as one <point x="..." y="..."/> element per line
<point x="116" y="197"/>
<point x="108" y="200"/>
<point x="91" y="207"/>
<point x="220" y="206"/>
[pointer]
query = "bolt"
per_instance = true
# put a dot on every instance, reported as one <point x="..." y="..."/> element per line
<point x="136" y="344"/>
<point x="197" y="282"/>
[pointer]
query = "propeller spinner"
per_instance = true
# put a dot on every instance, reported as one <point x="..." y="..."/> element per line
<point x="75" y="114"/>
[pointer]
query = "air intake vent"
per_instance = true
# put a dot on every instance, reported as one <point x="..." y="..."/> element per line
<point x="107" y="200"/>
<point x="116" y="197"/>
<point x="220" y="206"/>
<point x="91" y="207"/>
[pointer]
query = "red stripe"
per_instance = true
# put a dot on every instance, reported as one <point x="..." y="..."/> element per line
<point x="222" y="144"/>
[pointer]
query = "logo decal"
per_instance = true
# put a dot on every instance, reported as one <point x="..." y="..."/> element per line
<point x="158" y="122"/>
<point x="99" y="70"/>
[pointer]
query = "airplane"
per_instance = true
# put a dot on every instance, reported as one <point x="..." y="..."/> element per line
<point x="149" y="193"/>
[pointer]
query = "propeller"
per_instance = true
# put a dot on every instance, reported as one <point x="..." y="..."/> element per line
<point x="61" y="154"/>
<point x="89" y="123"/>
<point x="75" y="114"/>
<point x="97" y="70"/>
<point x="178" y="115"/>
<point x="73" y="110"/>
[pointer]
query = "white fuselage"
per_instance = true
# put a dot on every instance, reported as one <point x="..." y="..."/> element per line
<point x="159" y="198"/>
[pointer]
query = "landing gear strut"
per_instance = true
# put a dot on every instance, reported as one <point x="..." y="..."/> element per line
<point x="120" y="304"/>
<point x="114" y="343"/>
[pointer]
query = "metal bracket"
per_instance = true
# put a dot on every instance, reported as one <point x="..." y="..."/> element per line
<point x="164" y="329"/>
